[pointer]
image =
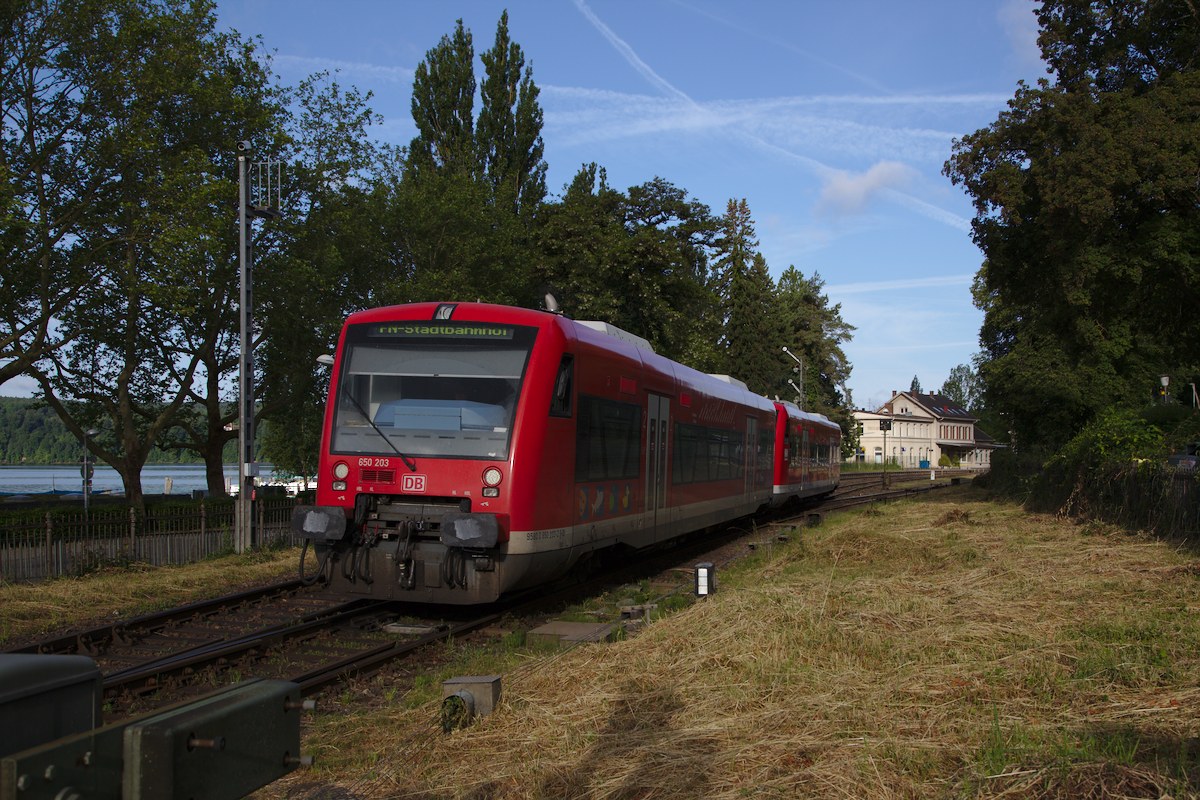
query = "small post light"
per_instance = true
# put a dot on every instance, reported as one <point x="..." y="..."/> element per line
<point x="706" y="579"/>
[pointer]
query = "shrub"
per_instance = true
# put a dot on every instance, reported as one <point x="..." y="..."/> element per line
<point x="1115" y="441"/>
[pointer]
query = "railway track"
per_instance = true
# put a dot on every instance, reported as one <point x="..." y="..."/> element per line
<point x="108" y="640"/>
<point x="295" y="633"/>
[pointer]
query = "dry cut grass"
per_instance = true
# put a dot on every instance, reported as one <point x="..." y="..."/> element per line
<point x="949" y="648"/>
<point x="31" y="610"/>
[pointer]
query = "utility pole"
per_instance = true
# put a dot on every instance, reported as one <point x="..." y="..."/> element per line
<point x="245" y="537"/>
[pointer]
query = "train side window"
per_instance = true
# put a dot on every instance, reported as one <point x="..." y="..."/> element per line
<point x="560" y="401"/>
<point x="706" y="454"/>
<point x="608" y="440"/>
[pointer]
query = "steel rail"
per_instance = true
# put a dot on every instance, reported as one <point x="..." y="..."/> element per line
<point x="96" y="640"/>
<point x="150" y="676"/>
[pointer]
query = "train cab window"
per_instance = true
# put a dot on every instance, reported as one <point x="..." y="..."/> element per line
<point x="430" y="388"/>
<point x="560" y="401"/>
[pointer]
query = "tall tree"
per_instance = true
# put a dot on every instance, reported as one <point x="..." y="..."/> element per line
<point x="751" y="337"/>
<point x="443" y="107"/>
<point x="815" y="331"/>
<point x="463" y="210"/>
<point x="508" y="134"/>
<point x="50" y="169"/>
<point x="170" y="94"/>
<point x="1088" y="214"/>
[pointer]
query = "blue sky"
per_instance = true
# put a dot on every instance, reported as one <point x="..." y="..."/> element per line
<point x="832" y="120"/>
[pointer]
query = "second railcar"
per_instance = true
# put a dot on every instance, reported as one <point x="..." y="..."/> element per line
<point x="807" y="452"/>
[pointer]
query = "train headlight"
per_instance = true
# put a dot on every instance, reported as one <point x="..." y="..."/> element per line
<point x="340" y="470"/>
<point x="491" y="481"/>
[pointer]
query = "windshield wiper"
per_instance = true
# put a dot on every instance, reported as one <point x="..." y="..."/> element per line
<point x="408" y="462"/>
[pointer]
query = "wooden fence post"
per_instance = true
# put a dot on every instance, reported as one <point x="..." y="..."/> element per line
<point x="49" y="546"/>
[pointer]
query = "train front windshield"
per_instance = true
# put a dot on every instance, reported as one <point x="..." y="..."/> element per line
<point x="430" y="388"/>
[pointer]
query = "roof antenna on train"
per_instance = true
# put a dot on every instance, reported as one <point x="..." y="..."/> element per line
<point x="551" y="303"/>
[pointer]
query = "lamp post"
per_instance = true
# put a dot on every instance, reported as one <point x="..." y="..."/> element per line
<point x="1165" y="380"/>
<point x="799" y="370"/>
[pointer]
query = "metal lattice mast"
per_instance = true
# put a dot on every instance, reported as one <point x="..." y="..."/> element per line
<point x="266" y="203"/>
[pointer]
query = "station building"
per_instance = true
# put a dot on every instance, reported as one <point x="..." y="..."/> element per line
<point x="914" y="430"/>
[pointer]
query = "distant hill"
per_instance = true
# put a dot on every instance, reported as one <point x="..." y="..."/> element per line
<point x="31" y="433"/>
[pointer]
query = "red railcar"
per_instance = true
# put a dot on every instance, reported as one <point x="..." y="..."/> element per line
<point x="807" y="454"/>
<point x="470" y="450"/>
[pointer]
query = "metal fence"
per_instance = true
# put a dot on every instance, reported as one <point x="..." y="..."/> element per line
<point x="66" y="543"/>
<point x="1148" y="496"/>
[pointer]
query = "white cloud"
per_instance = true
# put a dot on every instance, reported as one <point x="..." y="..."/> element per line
<point x="845" y="193"/>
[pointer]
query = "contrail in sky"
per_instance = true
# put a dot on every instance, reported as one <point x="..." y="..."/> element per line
<point x="824" y="171"/>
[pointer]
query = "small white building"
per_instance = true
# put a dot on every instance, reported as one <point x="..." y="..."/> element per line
<point x="916" y="430"/>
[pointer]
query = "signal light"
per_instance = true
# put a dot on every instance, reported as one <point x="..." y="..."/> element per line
<point x="340" y="470"/>
<point x="492" y="476"/>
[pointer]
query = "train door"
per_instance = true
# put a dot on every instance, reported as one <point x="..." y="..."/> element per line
<point x="806" y="463"/>
<point x="658" y="419"/>
<point x="750" y="448"/>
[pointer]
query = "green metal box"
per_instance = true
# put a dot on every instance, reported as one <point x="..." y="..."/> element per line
<point x="46" y="697"/>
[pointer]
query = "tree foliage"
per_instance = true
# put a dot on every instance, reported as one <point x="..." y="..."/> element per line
<point x="319" y="262"/>
<point x="165" y="96"/>
<point x="463" y="212"/>
<point x="56" y="67"/>
<point x="1088" y="214"/>
<point x="747" y="302"/>
<point x="121" y="256"/>
<point x="962" y="386"/>
<point x="636" y="259"/>
<point x="815" y="331"/>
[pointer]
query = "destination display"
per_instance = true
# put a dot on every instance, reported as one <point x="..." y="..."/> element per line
<point x="425" y="330"/>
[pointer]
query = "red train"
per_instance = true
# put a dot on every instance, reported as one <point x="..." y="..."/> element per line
<point x="470" y="450"/>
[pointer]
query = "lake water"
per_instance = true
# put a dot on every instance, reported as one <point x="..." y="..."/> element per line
<point x="183" y="479"/>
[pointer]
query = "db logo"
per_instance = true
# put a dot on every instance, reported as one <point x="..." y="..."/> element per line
<point x="413" y="483"/>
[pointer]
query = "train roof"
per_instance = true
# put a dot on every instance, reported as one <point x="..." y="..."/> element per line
<point x="794" y="412"/>
<point x="597" y="333"/>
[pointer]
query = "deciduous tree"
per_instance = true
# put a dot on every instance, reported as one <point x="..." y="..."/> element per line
<point x="1088" y="214"/>
<point x="167" y="95"/>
